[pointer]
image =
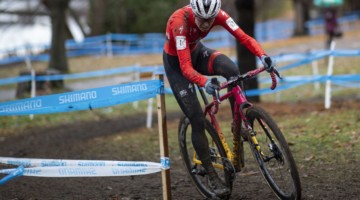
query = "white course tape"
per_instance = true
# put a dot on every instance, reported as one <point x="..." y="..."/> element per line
<point x="72" y="171"/>
<point x="83" y="168"/>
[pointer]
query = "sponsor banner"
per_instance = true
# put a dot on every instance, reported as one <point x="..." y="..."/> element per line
<point x="84" y="171"/>
<point x="35" y="162"/>
<point x="83" y="99"/>
<point x="80" y="168"/>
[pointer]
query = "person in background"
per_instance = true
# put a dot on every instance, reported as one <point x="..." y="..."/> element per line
<point x="332" y="27"/>
<point x="187" y="62"/>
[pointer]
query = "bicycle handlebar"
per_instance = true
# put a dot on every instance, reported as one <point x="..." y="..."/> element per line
<point x="250" y="74"/>
<point x="236" y="79"/>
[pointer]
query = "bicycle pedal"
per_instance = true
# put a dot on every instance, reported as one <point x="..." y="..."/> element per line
<point x="200" y="172"/>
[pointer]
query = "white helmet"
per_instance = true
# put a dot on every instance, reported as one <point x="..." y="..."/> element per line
<point x="205" y="9"/>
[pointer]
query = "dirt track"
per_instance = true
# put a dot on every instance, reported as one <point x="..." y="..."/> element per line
<point x="74" y="141"/>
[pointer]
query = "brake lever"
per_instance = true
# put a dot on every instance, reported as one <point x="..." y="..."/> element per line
<point x="277" y="73"/>
<point x="217" y="96"/>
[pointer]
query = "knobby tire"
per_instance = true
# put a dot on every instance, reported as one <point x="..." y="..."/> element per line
<point x="259" y="120"/>
<point x="187" y="152"/>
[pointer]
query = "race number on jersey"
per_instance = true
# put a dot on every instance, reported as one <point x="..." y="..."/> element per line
<point x="230" y="22"/>
<point x="180" y="42"/>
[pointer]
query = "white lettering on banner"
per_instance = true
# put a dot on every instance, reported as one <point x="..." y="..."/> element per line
<point x="30" y="171"/>
<point x="128" y="89"/>
<point x="52" y="163"/>
<point x="77" y="171"/>
<point x="25" y="163"/>
<point x="22" y="106"/>
<point x="91" y="163"/>
<point x="132" y="165"/>
<point x="7" y="171"/>
<point x="81" y="96"/>
<point x="116" y="171"/>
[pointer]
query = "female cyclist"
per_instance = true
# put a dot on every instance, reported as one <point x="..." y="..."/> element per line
<point x="187" y="60"/>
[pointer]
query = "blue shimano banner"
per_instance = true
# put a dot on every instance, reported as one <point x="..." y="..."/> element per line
<point x="83" y="99"/>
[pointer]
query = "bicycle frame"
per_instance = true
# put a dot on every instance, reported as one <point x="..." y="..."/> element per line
<point x="240" y="104"/>
<point x="212" y="108"/>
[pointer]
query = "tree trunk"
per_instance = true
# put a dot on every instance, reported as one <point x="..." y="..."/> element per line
<point x="301" y="8"/>
<point x="58" y="59"/>
<point x="247" y="60"/>
<point x="97" y="16"/>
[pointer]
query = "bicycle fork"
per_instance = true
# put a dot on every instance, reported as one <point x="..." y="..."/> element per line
<point x="251" y="135"/>
<point x="272" y="146"/>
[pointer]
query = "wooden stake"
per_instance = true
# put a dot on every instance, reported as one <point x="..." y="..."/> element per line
<point x="163" y="139"/>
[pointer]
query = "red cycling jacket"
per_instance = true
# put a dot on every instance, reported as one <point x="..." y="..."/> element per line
<point x="182" y="36"/>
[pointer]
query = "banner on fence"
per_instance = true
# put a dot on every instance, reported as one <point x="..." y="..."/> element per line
<point x="80" y="168"/>
<point x="83" y="99"/>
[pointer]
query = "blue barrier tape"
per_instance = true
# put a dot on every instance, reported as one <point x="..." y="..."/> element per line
<point x="13" y="174"/>
<point x="97" y="73"/>
<point x="304" y="59"/>
<point x="307" y="60"/>
<point x="296" y="81"/>
<point x="345" y="77"/>
<point x="346" y="84"/>
<point x="131" y="69"/>
<point x="83" y="99"/>
<point x="13" y="80"/>
<point x="346" y="53"/>
<point x="145" y="43"/>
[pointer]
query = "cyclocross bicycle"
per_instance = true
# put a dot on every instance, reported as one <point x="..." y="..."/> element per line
<point x="250" y="124"/>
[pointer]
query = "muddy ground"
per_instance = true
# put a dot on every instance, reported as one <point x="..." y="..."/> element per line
<point x="71" y="142"/>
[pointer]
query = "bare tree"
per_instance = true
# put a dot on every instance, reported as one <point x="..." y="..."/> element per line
<point x="302" y="9"/>
<point x="354" y="5"/>
<point x="58" y="9"/>
<point x="246" y="60"/>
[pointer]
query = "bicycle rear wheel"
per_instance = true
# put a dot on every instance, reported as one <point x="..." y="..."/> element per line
<point x="198" y="175"/>
<point x="274" y="158"/>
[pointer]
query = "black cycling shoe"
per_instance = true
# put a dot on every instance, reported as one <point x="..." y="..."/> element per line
<point x="218" y="187"/>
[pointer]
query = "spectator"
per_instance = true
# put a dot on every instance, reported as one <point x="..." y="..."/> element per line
<point x="332" y="27"/>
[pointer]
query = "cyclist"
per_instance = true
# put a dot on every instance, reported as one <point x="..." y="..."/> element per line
<point x="187" y="60"/>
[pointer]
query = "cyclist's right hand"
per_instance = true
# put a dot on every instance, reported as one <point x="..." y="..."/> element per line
<point x="268" y="63"/>
<point x="211" y="86"/>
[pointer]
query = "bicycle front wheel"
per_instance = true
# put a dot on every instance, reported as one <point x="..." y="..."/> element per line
<point x="193" y="164"/>
<point x="273" y="155"/>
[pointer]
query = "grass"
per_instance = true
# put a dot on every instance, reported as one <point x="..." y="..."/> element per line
<point x="315" y="134"/>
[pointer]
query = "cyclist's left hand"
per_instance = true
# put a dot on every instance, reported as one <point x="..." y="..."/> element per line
<point x="268" y="63"/>
<point x="211" y="86"/>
